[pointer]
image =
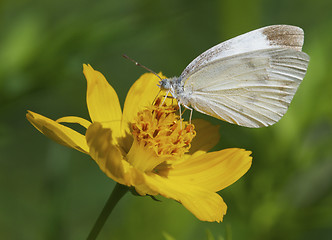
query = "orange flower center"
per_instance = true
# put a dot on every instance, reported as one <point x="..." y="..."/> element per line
<point x="160" y="135"/>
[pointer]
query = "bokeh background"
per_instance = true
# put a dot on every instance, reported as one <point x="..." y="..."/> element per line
<point x="51" y="192"/>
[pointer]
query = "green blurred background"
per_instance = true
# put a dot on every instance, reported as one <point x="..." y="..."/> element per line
<point x="51" y="192"/>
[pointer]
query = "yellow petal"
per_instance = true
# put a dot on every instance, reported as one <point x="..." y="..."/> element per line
<point x="213" y="171"/>
<point x="204" y="204"/>
<point x="207" y="136"/>
<point x="57" y="132"/>
<point x="109" y="157"/>
<point x="102" y="101"/>
<point x="72" y="119"/>
<point x="141" y="94"/>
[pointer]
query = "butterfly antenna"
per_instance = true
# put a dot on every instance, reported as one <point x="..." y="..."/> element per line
<point x="140" y="65"/>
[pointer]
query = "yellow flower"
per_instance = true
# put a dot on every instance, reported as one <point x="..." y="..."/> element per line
<point x="149" y="148"/>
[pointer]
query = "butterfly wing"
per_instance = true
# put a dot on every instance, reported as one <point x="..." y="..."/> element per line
<point x="251" y="89"/>
<point x="248" y="80"/>
<point x="275" y="36"/>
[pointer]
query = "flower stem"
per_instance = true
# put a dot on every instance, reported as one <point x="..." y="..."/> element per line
<point x="118" y="192"/>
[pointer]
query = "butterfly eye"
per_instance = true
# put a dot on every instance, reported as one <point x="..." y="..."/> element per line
<point x="165" y="84"/>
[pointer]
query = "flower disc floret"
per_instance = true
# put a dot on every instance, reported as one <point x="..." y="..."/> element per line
<point x="160" y="129"/>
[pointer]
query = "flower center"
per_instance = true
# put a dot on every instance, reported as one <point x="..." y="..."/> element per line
<point x="160" y="137"/>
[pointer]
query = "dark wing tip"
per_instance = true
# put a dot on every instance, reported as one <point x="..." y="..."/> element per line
<point x="285" y="36"/>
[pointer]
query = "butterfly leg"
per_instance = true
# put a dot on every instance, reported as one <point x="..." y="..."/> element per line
<point x="180" y="113"/>
<point x="187" y="107"/>
<point x="154" y="100"/>
<point x="165" y="97"/>
<point x="191" y="112"/>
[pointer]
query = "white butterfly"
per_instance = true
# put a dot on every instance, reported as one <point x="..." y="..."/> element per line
<point x="248" y="80"/>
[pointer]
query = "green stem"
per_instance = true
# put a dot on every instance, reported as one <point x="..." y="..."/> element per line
<point x="118" y="192"/>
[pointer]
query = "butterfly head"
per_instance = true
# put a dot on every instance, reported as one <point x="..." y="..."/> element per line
<point x="165" y="84"/>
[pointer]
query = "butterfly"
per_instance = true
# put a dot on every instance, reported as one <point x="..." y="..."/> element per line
<point x="248" y="80"/>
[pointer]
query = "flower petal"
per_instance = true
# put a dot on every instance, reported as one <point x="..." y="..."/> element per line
<point x="72" y="119"/>
<point x="102" y="101"/>
<point x="207" y="136"/>
<point x="141" y="94"/>
<point x="57" y="132"/>
<point x="213" y="171"/>
<point x="204" y="204"/>
<point x="109" y="157"/>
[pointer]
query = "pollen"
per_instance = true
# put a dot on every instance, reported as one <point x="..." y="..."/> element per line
<point x="160" y="129"/>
